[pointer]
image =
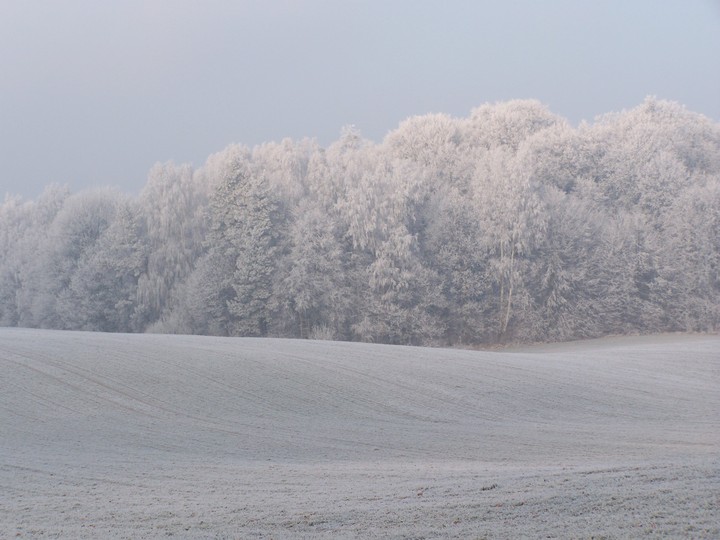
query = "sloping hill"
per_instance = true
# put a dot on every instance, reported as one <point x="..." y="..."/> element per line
<point x="143" y="429"/>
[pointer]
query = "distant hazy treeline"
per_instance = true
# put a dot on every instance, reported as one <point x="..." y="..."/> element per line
<point x="507" y="225"/>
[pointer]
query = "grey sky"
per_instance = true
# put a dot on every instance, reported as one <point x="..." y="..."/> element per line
<point x="93" y="93"/>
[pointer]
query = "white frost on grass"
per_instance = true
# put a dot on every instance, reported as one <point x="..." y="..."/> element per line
<point x="127" y="436"/>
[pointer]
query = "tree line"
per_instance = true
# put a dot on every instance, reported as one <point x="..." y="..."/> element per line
<point x="507" y="225"/>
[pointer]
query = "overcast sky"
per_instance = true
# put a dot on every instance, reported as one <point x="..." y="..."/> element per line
<point x="94" y="93"/>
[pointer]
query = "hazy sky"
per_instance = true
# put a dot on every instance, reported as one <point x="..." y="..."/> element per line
<point x="93" y="93"/>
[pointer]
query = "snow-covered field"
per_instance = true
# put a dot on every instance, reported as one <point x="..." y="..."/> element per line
<point x="137" y="436"/>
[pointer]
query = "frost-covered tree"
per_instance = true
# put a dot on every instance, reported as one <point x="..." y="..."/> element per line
<point x="316" y="285"/>
<point x="103" y="290"/>
<point x="645" y="155"/>
<point x="70" y="242"/>
<point x="255" y="233"/>
<point x="513" y="221"/>
<point x="171" y="205"/>
<point x="284" y="166"/>
<point x="509" y="224"/>
<point x="454" y="248"/>
<point x="16" y="231"/>
<point x="379" y="203"/>
<point x="205" y="296"/>
<point x="18" y="237"/>
<point x="689" y="260"/>
<point x="434" y="143"/>
<point x="507" y="124"/>
<point x="24" y="227"/>
<point x="247" y="225"/>
<point x="565" y="275"/>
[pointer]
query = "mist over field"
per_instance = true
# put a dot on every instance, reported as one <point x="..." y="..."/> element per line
<point x="147" y="436"/>
<point x="508" y="225"/>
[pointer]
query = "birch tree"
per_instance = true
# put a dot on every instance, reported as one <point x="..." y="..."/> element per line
<point x="512" y="223"/>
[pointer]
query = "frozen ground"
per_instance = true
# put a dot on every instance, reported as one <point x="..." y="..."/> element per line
<point x="137" y="436"/>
